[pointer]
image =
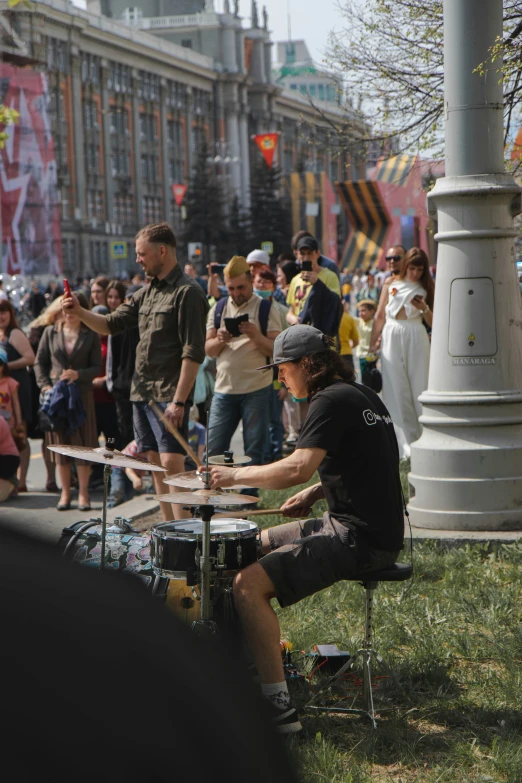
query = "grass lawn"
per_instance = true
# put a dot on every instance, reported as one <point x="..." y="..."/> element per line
<point x="453" y="638"/>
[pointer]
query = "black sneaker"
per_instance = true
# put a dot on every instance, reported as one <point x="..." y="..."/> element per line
<point x="286" y="721"/>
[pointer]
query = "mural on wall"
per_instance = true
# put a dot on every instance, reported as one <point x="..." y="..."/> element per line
<point x="29" y="201"/>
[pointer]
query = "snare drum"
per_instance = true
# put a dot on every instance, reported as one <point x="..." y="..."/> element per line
<point x="176" y="547"/>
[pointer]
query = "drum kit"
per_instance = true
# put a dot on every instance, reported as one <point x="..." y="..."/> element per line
<point x="205" y="554"/>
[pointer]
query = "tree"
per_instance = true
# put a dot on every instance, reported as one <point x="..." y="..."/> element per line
<point x="391" y="59"/>
<point x="240" y="229"/>
<point x="206" y="219"/>
<point x="270" y="216"/>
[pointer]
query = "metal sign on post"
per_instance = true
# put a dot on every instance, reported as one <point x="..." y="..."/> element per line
<point x="119" y="250"/>
<point x="268" y="247"/>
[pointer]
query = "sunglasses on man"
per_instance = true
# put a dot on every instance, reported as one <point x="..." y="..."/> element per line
<point x="393" y="258"/>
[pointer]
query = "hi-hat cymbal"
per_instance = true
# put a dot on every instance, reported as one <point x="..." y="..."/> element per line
<point x="116" y="459"/>
<point x="193" y="480"/>
<point x="220" y="460"/>
<point x="207" y="497"/>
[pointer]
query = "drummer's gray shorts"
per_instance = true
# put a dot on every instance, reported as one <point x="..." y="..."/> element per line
<point x="311" y="554"/>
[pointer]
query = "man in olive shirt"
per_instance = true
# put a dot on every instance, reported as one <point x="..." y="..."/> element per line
<point x="170" y="314"/>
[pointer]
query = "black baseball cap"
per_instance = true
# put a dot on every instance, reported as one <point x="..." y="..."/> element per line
<point x="295" y="342"/>
<point x="308" y="243"/>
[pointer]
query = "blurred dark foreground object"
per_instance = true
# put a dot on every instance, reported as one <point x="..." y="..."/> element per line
<point x="102" y="684"/>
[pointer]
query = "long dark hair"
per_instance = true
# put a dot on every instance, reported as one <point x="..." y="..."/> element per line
<point x="321" y="369"/>
<point x="417" y="257"/>
<point x="119" y="287"/>
<point x="103" y="282"/>
<point x="7" y="307"/>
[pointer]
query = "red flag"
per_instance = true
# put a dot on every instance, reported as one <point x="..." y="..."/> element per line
<point x="179" y="193"/>
<point x="267" y="143"/>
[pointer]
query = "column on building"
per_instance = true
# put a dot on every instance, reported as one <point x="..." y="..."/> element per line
<point x="79" y="155"/>
<point x="138" y="185"/>
<point x="106" y="130"/>
<point x="188" y="124"/>
<point x="268" y="59"/>
<point x="244" y="147"/>
<point x="230" y="91"/>
<point x="258" y="69"/>
<point x="167" y="191"/>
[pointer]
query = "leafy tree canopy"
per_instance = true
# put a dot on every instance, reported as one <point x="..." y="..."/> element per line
<point x="390" y="55"/>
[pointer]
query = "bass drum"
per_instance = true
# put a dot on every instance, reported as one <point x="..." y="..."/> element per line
<point x="129" y="551"/>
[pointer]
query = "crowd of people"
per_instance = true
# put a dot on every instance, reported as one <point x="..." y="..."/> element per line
<point x="194" y="344"/>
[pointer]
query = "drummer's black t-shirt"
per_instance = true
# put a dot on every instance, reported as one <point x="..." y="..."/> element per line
<point x="360" y="472"/>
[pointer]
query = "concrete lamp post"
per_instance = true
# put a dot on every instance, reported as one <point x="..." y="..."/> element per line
<point x="466" y="469"/>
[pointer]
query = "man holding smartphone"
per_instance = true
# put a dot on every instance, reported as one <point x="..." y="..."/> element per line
<point x="240" y="332"/>
<point x="312" y="276"/>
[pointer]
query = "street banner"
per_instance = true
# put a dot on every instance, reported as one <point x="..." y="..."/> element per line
<point x="329" y="236"/>
<point x="179" y="192"/>
<point x="267" y="143"/>
<point x="29" y="198"/>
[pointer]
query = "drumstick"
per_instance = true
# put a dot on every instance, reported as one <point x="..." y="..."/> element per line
<point x="175" y="432"/>
<point x="257" y="513"/>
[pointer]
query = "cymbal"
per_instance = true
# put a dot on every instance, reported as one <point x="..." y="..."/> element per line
<point x="220" y="460"/>
<point x="207" y="497"/>
<point x="193" y="480"/>
<point x="116" y="459"/>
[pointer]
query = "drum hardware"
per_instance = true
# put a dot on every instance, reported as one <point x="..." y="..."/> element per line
<point x="205" y="626"/>
<point x="221" y="556"/>
<point x="109" y="457"/>
<point x="228" y="460"/>
<point x="239" y="555"/>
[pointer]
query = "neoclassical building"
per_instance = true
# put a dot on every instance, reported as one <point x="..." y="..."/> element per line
<point x="133" y="91"/>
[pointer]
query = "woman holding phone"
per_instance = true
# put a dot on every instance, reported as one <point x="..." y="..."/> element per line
<point x="405" y="350"/>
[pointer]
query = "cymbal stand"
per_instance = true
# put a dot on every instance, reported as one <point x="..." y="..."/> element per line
<point x="205" y="626"/>
<point x="107" y="472"/>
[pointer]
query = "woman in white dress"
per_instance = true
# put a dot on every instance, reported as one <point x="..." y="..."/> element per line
<point x="405" y="349"/>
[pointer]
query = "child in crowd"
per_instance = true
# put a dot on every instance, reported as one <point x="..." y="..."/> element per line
<point x="9" y="403"/>
<point x="348" y="337"/>
<point x="9" y="462"/>
<point x="196" y="438"/>
<point x="366" y="309"/>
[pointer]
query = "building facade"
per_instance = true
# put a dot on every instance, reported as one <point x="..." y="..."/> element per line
<point x="131" y="94"/>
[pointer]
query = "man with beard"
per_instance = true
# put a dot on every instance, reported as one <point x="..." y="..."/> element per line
<point x="170" y="315"/>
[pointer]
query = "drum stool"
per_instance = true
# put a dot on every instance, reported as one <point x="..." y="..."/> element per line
<point x="399" y="572"/>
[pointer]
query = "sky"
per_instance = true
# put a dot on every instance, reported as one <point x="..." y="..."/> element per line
<point x="310" y="20"/>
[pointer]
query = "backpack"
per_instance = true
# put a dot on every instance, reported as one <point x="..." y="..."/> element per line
<point x="264" y="313"/>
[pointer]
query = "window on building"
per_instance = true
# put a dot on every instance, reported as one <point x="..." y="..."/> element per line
<point x="320" y="88"/>
<point x="312" y="89"/>
<point x="186" y="43"/>
<point x="293" y="86"/>
<point x="302" y="88"/>
<point x="99" y="206"/>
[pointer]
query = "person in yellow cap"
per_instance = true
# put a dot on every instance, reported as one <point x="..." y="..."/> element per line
<point x="241" y="329"/>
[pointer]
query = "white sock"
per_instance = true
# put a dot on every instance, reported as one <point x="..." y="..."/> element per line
<point x="278" y="694"/>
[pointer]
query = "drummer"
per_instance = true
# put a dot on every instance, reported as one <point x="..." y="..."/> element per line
<point x="348" y="437"/>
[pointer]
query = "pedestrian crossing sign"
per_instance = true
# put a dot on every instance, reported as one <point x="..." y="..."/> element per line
<point x="118" y="250"/>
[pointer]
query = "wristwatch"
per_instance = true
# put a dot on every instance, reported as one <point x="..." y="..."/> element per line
<point x="178" y="403"/>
